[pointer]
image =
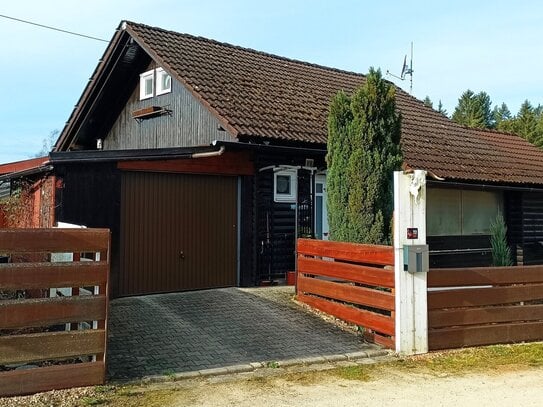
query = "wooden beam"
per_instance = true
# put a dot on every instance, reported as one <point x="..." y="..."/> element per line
<point x="357" y="316"/>
<point x="352" y="272"/>
<point x="23" y="276"/>
<point x="485" y="276"/>
<point x="51" y="311"/>
<point x="50" y="345"/>
<point x="352" y="252"/>
<point x="469" y="297"/>
<point x="53" y="240"/>
<point x="21" y="382"/>
<point x="484" y="315"/>
<point x="229" y="163"/>
<point x="448" y="338"/>
<point x="346" y="292"/>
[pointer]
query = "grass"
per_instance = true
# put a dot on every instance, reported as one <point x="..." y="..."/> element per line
<point x="455" y="363"/>
<point x="450" y="363"/>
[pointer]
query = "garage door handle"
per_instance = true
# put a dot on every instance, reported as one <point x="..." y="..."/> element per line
<point x="182" y="255"/>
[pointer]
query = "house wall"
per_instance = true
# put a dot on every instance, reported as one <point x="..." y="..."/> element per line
<point x="89" y="194"/>
<point x="275" y="222"/>
<point x="458" y="223"/>
<point x="188" y="124"/>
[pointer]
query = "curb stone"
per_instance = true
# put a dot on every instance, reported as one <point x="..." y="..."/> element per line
<point x="361" y="356"/>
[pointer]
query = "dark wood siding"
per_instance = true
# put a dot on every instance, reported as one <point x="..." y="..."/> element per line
<point x="178" y="232"/>
<point x="89" y="194"/>
<point x="459" y="251"/>
<point x="532" y="227"/>
<point x="275" y="221"/>
<point x="189" y="124"/>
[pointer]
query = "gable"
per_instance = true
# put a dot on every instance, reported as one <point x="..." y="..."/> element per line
<point x="186" y="121"/>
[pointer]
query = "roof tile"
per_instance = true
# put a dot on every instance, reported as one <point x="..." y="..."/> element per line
<point x="263" y="95"/>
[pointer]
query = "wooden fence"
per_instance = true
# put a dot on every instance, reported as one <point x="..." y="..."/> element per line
<point x="482" y="306"/>
<point x="33" y="331"/>
<point x="352" y="282"/>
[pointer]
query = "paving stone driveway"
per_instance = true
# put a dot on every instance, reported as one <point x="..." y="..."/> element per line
<point x="180" y="332"/>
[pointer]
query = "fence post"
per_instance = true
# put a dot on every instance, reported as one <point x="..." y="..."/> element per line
<point x="410" y="288"/>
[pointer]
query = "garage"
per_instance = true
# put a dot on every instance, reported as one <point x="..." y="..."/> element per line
<point x="178" y="232"/>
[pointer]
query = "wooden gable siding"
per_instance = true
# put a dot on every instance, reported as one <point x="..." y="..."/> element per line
<point x="188" y="124"/>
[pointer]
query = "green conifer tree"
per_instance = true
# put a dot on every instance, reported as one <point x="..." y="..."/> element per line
<point x="363" y="152"/>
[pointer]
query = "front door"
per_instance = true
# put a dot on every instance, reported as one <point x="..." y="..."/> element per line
<point x="321" y="212"/>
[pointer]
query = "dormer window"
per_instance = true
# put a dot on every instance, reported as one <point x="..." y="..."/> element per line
<point x="154" y="82"/>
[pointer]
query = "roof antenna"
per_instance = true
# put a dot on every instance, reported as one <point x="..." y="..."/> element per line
<point x="406" y="70"/>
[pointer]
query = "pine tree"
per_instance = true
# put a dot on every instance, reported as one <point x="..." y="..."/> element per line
<point x="525" y="123"/>
<point x="501" y="115"/>
<point x="441" y="109"/>
<point x="474" y="110"/>
<point x="364" y="150"/>
<point x="428" y="102"/>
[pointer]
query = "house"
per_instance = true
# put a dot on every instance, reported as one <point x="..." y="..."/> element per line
<point x="206" y="160"/>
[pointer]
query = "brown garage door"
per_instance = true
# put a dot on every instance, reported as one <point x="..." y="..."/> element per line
<point x="178" y="232"/>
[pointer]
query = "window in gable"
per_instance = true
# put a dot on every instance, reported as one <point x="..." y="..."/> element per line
<point x="163" y="82"/>
<point x="147" y="85"/>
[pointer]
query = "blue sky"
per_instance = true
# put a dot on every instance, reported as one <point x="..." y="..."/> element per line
<point x="493" y="46"/>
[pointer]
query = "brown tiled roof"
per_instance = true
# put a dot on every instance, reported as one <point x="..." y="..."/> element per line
<point x="262" y="95"/>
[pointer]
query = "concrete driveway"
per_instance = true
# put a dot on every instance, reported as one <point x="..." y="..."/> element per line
<point x="191" y="331"/>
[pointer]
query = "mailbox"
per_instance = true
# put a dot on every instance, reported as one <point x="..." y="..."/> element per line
<point x="415" y="258"/>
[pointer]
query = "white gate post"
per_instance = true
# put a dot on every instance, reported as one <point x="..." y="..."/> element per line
<point x="410" y="288"/>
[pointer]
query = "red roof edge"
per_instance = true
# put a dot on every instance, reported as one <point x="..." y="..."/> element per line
<point x="24" y="165"/>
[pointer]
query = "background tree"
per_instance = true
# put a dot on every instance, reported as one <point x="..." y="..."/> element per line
<point x="47" y="144"/>
<point x="428" y="102"/>
<point x="441" y="109"/>
<point x="474" y="110"/>
<point x="501" y="114"/>
<point x="363" y="152"/>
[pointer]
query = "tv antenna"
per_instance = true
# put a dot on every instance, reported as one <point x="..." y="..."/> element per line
<point x="406" y="70"/>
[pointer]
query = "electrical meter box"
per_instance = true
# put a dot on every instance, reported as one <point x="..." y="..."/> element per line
<point x="415" y="258"/>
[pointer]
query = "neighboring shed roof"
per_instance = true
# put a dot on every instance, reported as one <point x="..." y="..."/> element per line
<point x="258" y="95"/>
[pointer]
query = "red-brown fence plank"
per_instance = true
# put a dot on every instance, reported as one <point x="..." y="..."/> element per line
<point x="484" y="296"/>
<point x="53" y="240"/>
<point x="50" y="345"/>
<point x="20" y="382"/>
<point x="22" y="276"/>
<point x="353" y="252"/>
<point x="352" y="272"/>
<point x="51" y="311"/>
<point x="357" y="316"/>
<point x="447" y="338"/>
<point x="346" y="292"/>
<point x="387" y="342"/>
<point x="485" y="276"/>
<point x="484" y="315"/>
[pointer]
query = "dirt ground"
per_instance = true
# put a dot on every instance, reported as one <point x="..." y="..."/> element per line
<point x="519" y="388"/>
<point x="493" y="376"/>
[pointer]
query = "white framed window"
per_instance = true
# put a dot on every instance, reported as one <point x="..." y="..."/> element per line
<point x="163" y="82"/>
<point x="147" y="84"/>
<point x="285" y="186"/>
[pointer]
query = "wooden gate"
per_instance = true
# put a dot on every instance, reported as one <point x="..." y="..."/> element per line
<point x="60" y="342"/>
<point x="178" y="232"/>
<point x="484" y="305"/>
<point x="353" y="282"/>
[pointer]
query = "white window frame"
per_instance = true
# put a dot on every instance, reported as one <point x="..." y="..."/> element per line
<point x="160" y="72"/>
<point x="143" y="78"/>
<point x="292" y="195"/>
